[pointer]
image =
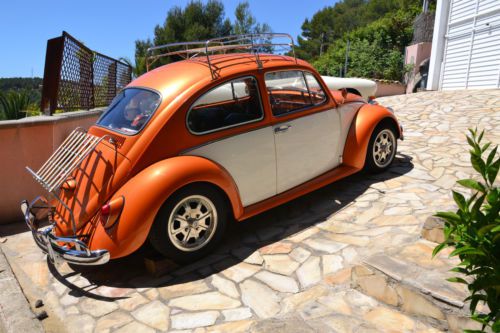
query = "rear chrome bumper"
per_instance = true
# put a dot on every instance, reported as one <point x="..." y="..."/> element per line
<point x="72" y="249"/>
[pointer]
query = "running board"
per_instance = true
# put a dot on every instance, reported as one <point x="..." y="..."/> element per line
<point x="316" y="183"/>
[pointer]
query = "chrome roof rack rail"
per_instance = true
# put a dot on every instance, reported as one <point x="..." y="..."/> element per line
<point x="254" y="43"/>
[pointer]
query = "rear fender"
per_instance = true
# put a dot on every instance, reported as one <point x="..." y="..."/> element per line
<point x="362" y="127"/>
<point x="146" y="192"/>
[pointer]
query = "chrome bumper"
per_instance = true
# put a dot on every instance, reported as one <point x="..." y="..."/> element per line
<point x="73" y="251"/>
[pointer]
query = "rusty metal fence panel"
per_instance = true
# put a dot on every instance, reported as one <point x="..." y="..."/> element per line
<point x="75" y="77"/>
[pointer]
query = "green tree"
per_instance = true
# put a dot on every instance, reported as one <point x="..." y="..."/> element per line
<point x="141" y="47"/>
<point x="245" y="22"/>
<point x="196" y="21"/>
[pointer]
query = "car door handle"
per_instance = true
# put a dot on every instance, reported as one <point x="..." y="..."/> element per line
<point x="282" y="128"/>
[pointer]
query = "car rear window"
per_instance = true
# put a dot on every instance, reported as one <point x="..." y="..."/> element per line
<point x="230" y="104"/>
<point x="130" y="110"/>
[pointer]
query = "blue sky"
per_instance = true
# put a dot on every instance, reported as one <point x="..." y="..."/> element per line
<point x="111" y="26"/>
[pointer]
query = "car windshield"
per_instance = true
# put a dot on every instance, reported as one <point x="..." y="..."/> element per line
<point x="130" y="110"/>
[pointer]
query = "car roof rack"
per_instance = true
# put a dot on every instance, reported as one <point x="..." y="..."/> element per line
<point x="254" y="43"/>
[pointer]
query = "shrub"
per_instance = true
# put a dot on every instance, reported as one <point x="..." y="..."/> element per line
<point x="474" y="231"/>
<point x="376" y="50"/>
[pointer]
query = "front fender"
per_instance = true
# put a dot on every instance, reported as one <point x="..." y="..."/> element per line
<point x="146" y="192"/>
<point x="362" y="127"/>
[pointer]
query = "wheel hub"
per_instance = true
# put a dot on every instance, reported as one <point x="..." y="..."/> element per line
<point x="192" y="223"/>
<point x="383" y="148"/>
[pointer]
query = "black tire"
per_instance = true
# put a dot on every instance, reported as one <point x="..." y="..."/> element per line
<point x="374" y="163"/>
<point x="162" y="237"/>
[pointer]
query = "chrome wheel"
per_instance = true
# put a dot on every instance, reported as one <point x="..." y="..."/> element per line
<point x="384" y="148"/>
<point x="192" y="223"/>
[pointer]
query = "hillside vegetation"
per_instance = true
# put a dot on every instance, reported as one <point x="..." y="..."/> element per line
<point x="377" y="32"/>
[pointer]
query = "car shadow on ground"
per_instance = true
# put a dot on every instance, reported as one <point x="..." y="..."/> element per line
<point x="240" y="241"/>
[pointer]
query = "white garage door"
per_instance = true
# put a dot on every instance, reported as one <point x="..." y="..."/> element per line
<point x="472" y="52"/>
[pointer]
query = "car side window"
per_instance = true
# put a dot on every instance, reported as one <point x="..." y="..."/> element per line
<point x="317" y="94"/>
<point x="292" y="90"/>
<point x="230" y="104"/>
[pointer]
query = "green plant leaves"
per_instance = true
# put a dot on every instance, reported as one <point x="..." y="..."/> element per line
<point x="460" y="200"/>
<point x="477" y="163"/>
<point x="492" y="197"/>
<point x="467" y="250"/>
<point x="480" y="137"/>
<point x="486" y="228"/>
<point x="459" y="270"/>
<point x="14" y="104"/>
<point x="472" y="184"/>
<point x="491" y="156"/>
<point x="493" y="171"/>
<point x="485" y="147"/>
<point x="449" y="216"/>
<point x="496" y="326"/>
<point x="457" y="280"/>
<point x="474" y="233"/>
<point x="438" y="249"/>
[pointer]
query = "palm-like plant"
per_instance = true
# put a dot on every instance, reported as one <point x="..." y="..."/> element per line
<point x="13" y="104"/>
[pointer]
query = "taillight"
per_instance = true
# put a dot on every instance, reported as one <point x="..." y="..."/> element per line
<point x="105" y="210"/>
<point x="111" y="211"/>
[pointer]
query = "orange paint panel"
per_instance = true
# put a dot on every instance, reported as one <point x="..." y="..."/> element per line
<point x="145" y="194"/>
<point x="362" y="127"/>
<point x="95" y="180"/>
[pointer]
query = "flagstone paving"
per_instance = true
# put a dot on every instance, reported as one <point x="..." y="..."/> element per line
<point x="346" y="258"/>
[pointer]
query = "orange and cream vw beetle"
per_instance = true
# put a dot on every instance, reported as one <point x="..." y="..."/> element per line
<point x="223" y="134"/>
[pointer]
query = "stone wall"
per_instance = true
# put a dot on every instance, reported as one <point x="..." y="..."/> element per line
<point x="29" y="142"/>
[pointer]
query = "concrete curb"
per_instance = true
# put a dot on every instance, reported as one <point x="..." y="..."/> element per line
<point x="15" y="312"/>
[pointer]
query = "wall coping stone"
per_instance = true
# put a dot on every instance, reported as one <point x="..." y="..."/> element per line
<point x="44" y="119"/>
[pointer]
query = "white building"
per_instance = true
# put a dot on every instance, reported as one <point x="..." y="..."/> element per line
<point x="466" y="45"/>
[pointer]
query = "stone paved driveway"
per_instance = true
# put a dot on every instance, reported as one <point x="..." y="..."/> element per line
<point x="289" y="270"/>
